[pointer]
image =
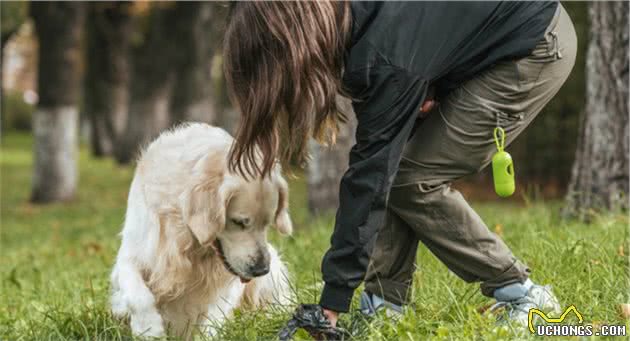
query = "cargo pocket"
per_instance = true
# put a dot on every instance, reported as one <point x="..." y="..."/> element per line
<point x="508" y="121"/>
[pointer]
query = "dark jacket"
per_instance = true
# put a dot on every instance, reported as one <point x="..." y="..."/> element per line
<point x="397" y="50"/>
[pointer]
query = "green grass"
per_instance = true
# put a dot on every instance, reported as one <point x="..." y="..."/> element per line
<point x="55" y="262"/>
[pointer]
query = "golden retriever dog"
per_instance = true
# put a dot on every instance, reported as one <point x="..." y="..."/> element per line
<point x="194" y="242"/>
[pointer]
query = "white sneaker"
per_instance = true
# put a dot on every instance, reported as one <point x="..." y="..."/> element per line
<point x="536" y="297"/>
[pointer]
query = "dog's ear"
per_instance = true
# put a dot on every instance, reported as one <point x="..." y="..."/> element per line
<point x="283" y="220"/>
<point x="203" y="204"/>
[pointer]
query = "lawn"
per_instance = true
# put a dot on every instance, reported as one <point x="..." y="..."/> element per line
<point x="55" y="262"/>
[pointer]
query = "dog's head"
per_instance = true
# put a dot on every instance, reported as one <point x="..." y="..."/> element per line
<point x="232" y="215"/>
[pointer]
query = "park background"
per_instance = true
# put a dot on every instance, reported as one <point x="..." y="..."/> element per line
<point x="85" y="85"/>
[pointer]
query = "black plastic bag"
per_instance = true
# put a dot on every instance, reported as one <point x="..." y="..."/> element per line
<point x="311" y="318"/>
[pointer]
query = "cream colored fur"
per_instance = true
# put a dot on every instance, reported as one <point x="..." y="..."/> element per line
<point x="169" y="276"/>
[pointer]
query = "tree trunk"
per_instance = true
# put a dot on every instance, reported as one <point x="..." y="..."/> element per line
<point x="109" y="30"/>
<point x="192" y="97"/>
<point x="152" y="80"/>
<point x="227" y="116"/>
<point x="328" y="164"/>
<point x="600" y="171"/>
<point x="59" y="27"/>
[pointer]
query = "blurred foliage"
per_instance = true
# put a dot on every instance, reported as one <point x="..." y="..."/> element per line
<point x="543" y="154"/>
<point x="16" y="113"/>
<point x="146" y="13"/>
<point x="12" y="15"/>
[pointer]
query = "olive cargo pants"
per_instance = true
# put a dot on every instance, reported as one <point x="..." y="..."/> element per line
<point x="456" y="140"/>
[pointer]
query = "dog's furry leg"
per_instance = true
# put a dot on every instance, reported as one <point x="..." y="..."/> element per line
<point x="222" y="308"/>
<point x="132" y="297"/>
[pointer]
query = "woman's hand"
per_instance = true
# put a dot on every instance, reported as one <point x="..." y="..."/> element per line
<point x="332" y="316"/>
<point x="427" y="106"/>
<point x="429" y="103"/>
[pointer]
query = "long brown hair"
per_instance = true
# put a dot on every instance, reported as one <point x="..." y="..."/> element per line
<point x="283" y="63"/>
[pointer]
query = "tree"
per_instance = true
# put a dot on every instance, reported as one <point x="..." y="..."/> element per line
<point x="328" y="164"/>
<point x="152" y="81"/>
<point x="192" y="97"/>
<point x="600" y="172"/>
<point x="59" y="27"/>
<point x="226" y="115"/>
<point x="171" y="79"/>
<point x="109" y="30"/>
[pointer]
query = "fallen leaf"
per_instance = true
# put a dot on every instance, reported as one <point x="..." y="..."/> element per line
<point x="620" y="251"/>
<point x="498" y="229"/>
<point x="93" y="247"/>
<point x="625" y="310"/>
<point x="597" y="325"/>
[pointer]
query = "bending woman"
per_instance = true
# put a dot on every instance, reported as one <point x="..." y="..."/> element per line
<point x="490" y="64"/>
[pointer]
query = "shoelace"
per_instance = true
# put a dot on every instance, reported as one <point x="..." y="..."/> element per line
<point x="522" y="304"/>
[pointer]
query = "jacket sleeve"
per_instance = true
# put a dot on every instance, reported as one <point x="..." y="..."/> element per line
<point x="386" y="102"/>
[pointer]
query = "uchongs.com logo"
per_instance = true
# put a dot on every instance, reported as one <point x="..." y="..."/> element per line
<point x="552" y="325"/>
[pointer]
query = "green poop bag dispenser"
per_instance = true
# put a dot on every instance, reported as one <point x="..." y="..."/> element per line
<point x="502" y="166"/>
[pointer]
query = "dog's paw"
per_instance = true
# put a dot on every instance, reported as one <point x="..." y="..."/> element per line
<point x="119" y="305"/>
<point x="147" y="324"/>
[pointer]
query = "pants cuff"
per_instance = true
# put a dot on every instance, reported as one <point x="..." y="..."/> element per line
<point x="517" y="273"/>
<point x="336" y="298"/>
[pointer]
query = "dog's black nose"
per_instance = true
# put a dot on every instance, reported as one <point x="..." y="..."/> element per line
<point x="259" y="269"/>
